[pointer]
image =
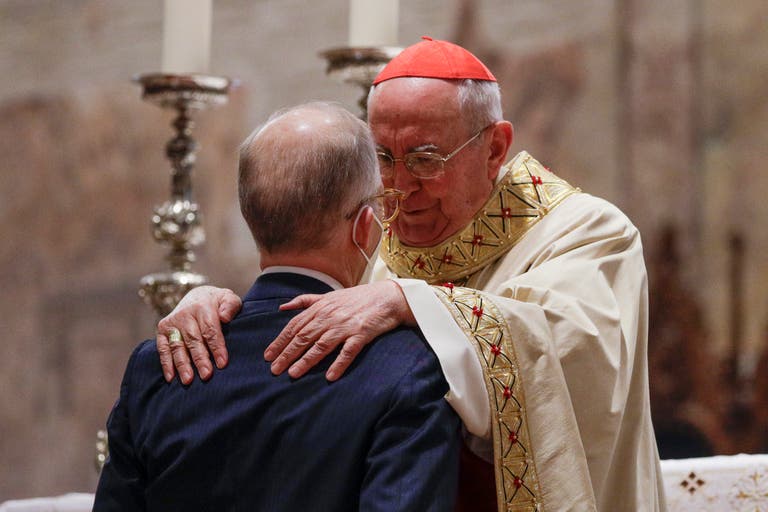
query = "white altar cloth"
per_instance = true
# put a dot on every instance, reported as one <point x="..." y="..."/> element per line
<point x="724" y="483"/>
<point x="72" y="502"/>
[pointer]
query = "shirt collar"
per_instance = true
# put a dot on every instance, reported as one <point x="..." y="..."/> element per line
<point x="316" y="274"/>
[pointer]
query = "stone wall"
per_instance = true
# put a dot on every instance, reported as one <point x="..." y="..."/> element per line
<point x="656" y="105"/>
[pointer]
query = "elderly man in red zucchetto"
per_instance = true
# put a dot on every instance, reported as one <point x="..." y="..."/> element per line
<point x="531" y="293"/>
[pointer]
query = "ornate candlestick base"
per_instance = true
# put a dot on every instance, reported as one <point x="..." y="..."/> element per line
<point x="163" y="290"/>
<point x="102" y="449"/>
<point x="178" y="222"/>
<point x="359" y="66"/>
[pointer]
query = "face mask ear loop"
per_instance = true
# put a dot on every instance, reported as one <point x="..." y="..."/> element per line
<point x="354" y="232"/>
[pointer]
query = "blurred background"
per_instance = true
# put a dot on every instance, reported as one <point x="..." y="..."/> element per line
<point x="656" y="105"/>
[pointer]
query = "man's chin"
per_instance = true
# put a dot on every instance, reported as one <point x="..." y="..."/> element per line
<point x="418" y="236"/>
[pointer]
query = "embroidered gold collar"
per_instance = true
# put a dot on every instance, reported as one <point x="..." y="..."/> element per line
<point x="524" y="195"/>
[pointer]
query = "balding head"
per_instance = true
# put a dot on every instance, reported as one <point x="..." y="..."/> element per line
<point x="301" y="172"/>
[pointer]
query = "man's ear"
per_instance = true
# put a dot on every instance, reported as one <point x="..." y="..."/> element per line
<point x="361" y="231"/>
<point x="502" y="135"/>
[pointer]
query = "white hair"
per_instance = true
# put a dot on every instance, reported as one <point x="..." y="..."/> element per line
<point x="479" y="101"/>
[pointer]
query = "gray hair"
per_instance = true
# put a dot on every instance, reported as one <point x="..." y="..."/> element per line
<point x="479" y="102"/>
<point x="294" y="189"/>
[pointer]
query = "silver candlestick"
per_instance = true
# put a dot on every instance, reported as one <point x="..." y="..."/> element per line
<point x="358" y="66"/>
<point x="178" y="222"/>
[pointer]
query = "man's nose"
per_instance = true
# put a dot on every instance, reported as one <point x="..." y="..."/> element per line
<point x="403" y="179"/>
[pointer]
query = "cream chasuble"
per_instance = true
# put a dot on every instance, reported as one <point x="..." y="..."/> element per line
<point x="538" y="314"/>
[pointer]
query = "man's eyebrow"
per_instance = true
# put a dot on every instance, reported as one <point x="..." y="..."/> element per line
<point x="424" y="147"/>
<point x="415" y="149"/>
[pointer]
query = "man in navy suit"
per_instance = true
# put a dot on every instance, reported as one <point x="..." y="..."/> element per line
<point x="383" y="438"/>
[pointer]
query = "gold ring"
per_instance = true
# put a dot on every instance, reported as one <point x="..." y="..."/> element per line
<point x="174" y="338"/>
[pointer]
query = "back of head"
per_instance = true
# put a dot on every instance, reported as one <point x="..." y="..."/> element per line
<point x="301" y="172"/>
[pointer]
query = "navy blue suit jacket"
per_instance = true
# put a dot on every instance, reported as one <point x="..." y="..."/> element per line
<point x="380" y="438"/>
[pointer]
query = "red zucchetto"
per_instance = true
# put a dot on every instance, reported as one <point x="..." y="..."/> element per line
<point x="435" y="59"/>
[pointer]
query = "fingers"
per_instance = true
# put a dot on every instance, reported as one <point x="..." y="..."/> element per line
<point x="172" y="355"/>
<point x="166" y="359"/>
<point x="298" y="345"/>
<point x="212" y="340"/>
<point x="285" y="337"/>
<point x="197" y="317"/>
<point x="350" y="316"/>
<point x="300" y="302"/>
<point x="316" y="353"/>
<point x="290" y="332"/>
<point x="296" y="338"/>
<point x="182" y="363"/>
<point x="191" y="345"/>
<point x="229" y="305"/>
<point x="349" y="352"/>
<point x="198" y="351"/>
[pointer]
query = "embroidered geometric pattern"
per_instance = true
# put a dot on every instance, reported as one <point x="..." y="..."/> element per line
<point x="524" y="196"/>
<point x="737" y="483"/>
<point x="692" y="483"/>
<point x="751" y="492"/>
<point x="517" y="484"/>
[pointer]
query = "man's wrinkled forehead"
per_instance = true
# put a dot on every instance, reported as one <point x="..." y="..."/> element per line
<point x="414" y="104"/>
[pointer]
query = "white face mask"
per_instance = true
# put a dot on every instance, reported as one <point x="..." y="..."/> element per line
<point x="369" y="260"/>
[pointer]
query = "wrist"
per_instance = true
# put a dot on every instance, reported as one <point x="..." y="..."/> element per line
<point x="399" y="307"/>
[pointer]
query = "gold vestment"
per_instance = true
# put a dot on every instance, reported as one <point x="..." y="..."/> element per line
<point x="548" y="285"/>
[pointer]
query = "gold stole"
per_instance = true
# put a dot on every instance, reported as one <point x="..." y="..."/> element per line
<point x="526" y="193"/>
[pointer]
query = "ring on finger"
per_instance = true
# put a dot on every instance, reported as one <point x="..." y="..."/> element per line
<point x="174" y="338"/>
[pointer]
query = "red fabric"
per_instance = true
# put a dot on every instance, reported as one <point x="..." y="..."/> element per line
<point x="435" y="59"/>
<point x="477" y="484"/>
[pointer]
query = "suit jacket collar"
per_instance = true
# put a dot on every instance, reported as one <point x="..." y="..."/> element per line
<point x="284" y="285"/>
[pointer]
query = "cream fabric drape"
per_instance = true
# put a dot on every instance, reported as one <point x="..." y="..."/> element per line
<point x="573" y="293"/>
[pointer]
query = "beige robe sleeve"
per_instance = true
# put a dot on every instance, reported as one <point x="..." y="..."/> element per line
<point x="571" y="303"/>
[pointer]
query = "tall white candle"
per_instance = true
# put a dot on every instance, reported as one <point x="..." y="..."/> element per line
<point x="373" y="22"/>
<point x="186" y="36"/>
